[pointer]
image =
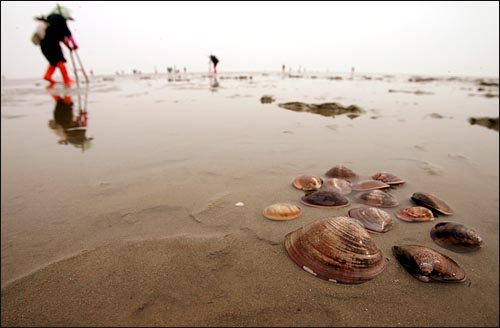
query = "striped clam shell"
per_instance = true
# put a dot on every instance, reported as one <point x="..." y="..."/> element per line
<point x="373" y="219"/>
<point x="432" y="201"/>
<point x="342" y="172"/>
<point x="307" y="182"/>
<point x="342" y="186"/>
<point x="369" y="185"/>
<point x="282" y="211"/>
<point x="388" y="178"/>
<point x="377" y="198"/>
<point x="336" y="249"/>
<point x="415" y="214"/>
<point x="325" y="198"/>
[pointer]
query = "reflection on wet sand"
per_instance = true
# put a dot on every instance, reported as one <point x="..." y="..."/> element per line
<point x="70" y="128"/>
<point x="214" y="82"/>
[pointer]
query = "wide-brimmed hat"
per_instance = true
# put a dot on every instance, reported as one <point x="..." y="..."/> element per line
<point x="63" y="11"/>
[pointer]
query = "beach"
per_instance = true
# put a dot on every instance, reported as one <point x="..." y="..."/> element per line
<point x="155" y="218"/>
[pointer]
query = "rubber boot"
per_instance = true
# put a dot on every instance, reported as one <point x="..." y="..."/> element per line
<point x="48" y="75"/>
<point x="64" y="72"/>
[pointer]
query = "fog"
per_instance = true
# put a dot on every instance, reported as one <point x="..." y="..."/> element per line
<point x="434" y="38"/>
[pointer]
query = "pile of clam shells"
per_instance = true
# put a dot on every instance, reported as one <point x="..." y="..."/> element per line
<point x="339" y="249"/>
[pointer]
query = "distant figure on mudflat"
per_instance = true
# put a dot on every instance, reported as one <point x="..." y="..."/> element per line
<point x="214" y="61"/>
<point x="57" y="31"/>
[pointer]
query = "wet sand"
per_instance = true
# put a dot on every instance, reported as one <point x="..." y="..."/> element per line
<point x="141" y="228"/>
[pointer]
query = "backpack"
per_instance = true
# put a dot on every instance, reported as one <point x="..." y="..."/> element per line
<point x="39" y="33"/>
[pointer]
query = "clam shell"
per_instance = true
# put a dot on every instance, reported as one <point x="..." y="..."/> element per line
<point x="325" y="198"/>
<point x="336" y="184"/>
<point x="388" y="178"/>
<point x="336" y="249"/>
<point x="369" y="185"/>
<point x="307" y="182"/>
<point x="456" y="237"/>
<point x="415" y="214"/>
<point x="377" y="198"/>
<point x="342" y="172"/>
<point x="373" y="219"/>
<point x="282" y="211"/>
<point x="428" y="265"/>
<point x="433" y="202"/>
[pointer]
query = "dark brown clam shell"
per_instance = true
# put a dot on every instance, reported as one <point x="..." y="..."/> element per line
<point x="377" y="198"/>
<point x="369" y="185"/>
<point x="388" y="178"/>
<point x="456" y="237"/>
<point x="336" y="184"/>
<point x="415" y="214"/>
<point x="336" y="249"/>
<point x="342" y="172"/>
<point x="307" y="182"/>
<point x="282" y="211"/>
<point x="325" y="198"/>
<point x="428" y="265"/>
<point x="433" y="202"/>
<point x="373" y="219"/>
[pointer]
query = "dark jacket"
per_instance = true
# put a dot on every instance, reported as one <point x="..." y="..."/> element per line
<point x="56" y="31"/>
<point x="214" y="60"/>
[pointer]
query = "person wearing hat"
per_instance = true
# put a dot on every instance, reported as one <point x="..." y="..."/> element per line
<point x="57" y="31"/>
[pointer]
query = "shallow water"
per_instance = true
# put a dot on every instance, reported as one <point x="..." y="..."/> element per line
<point x="172" y="158"/>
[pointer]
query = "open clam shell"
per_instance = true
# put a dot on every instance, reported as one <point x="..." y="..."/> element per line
<point x="342" y="172"/>
<point x="369" y="185"/>
<point x="428" y="265"/>
<point x="377" y="198"/>
<point x="388" y="178"/>
<point x="342" y="186"/>
<point x="456" y="237"/>
<point x="429" y="200"/>
<point x="415" y="214"/>
<point x="307" y="182"/>
<point x="282" y="211"/>
<point x="373" y="219"/>
<point x="325" y="198"/>
<point x="336" y="249"/>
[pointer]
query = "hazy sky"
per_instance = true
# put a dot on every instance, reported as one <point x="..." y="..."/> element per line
<point x="436" y="38"/>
